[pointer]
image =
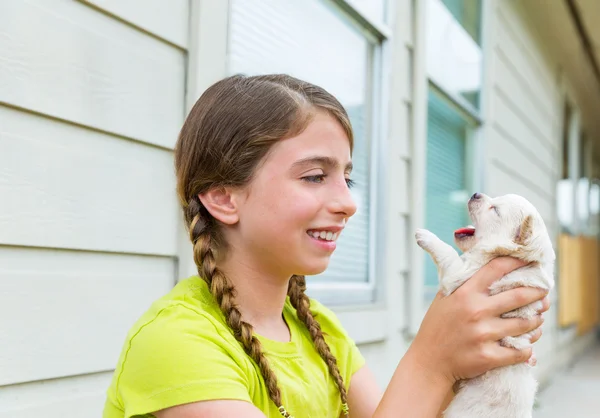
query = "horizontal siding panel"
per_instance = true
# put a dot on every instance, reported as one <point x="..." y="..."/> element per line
<point x="523" y="147"/>
<point x="504" y="180"/>
<point x="68" y="187"/>
<point x="514" y="37"/>
<point x="538" y="108"/>
<point x="73" y="397"/>
<point x="509" y="150"/>
<point x="81" y="67"/>
<point x="73" y="308"/>
<point x="166" y="20"/>
<point x="512" y="121"/>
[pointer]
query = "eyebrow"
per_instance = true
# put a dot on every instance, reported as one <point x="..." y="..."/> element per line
<point x="328" y="162"/>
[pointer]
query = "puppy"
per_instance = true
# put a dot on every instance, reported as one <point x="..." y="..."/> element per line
<point x="503" y="226"/>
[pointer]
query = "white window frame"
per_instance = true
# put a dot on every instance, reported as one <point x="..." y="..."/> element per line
<point x="209" y="44"/>
<point x="475" y="145"/>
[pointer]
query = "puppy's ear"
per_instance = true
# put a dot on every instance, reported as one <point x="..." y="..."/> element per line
<point x="524" y="231"/>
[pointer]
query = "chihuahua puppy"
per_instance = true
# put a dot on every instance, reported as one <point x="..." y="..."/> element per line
<point x="503" y="226"/>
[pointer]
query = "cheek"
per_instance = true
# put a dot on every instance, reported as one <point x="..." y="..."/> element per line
<point x="284" y="208"/>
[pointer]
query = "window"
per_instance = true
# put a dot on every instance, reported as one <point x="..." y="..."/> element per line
<point x="316" y="41"/>
<point x="454" y="70"/>
<point x="454" y="56"/>
<point x="446" y="190"/>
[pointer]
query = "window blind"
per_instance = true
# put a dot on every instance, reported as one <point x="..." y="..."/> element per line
<point x="446" y="194"/>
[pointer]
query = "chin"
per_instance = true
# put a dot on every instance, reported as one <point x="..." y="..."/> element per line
<point x="314" y="268"/>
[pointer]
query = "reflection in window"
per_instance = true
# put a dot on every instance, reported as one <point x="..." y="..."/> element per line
<point x="468" y="14"/>
<point x="454" y="57"/>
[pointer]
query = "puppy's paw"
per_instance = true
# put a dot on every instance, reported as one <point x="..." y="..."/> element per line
<point x="520" y="342"/>
<point x="425" y="239"/>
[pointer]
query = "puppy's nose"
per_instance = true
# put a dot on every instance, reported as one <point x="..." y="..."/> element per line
<point x="476" y="196"/>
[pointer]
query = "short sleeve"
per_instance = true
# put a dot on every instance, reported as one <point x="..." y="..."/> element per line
<point x="179" y="357"/>
<point x="338" y="339"/>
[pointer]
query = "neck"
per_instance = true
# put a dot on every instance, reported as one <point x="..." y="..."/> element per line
<point x="260" y="296"/>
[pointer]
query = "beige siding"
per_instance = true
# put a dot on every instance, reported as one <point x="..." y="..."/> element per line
<point x="522" y="147"/>
<point x="85" y="67"/>
<point x="90" y="107"/>
<point x="73" y="308"/>
<point x="78" y="396"/>
<point x="61" y="180"/>
<point x="167" y="20"/>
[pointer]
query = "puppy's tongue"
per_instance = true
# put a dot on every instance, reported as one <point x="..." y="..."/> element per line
<point x="468" y="231"/>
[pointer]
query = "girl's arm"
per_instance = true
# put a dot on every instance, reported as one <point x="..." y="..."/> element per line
<point x="458" y="339"/>
<point x="212" y="409"/>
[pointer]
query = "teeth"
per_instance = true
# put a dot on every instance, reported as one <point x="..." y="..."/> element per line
<point x="324" y="235"/>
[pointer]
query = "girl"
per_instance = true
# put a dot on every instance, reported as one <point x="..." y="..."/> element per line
<point x="263" y="174"/>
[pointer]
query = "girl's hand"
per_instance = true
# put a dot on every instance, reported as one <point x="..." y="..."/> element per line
<point x="459" y="336"/>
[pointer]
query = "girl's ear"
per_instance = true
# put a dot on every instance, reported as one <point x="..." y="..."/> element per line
<point x="524" y="231"/>
<point x="220" y="203"/>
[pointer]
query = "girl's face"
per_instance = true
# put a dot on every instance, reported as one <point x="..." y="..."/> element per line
<point x="298" y="201"/>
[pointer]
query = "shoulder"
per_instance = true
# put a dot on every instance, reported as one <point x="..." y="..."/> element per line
<point x="176" y="339"/>
<point x="175" y="323"/>
<point x="176" y="352"/>
<point x="176" y="356"/>
<point x="185" y="316"/>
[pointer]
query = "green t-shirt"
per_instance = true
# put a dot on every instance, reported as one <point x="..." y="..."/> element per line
<point x="181" y="351"/>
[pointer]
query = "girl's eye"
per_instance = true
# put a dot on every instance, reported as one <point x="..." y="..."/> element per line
<point x="320" y="178"/>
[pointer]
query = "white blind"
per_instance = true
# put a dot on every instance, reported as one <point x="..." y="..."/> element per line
<point x="446" y="181"/>
<point x="311" y="40"/>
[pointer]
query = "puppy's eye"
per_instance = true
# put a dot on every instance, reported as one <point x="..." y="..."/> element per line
<point x="495" y="210"/>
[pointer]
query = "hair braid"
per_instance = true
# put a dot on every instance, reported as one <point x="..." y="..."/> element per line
<point x="224" y="292"/>
<point x="301" y="303"/>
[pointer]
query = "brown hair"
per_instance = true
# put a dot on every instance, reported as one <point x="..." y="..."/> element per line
<point x="228" y="132"/>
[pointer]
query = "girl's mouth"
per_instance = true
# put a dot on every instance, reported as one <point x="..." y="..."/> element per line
<point x="323" y="235"/>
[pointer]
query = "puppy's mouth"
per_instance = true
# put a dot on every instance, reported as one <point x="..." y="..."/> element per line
<point x="465" y="232"/>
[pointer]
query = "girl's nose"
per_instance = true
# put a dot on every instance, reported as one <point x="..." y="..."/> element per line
<point x="343" y="202"/>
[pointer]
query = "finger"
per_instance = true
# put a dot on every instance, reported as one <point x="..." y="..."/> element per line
<point x="532" y="360"/>
<point x="536" y="335"/>
<point x="515" y="298"/>
<point x="509" y="356"/>
<point x="545" y="305"/>
<point x="511" y="327"/>
<point x="494" y="270"/>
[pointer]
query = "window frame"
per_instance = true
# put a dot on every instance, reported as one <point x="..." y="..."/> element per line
<point x="475" y="146"/>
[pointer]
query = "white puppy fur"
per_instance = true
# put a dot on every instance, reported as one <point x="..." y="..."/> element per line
<point x="504" y="226"/>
